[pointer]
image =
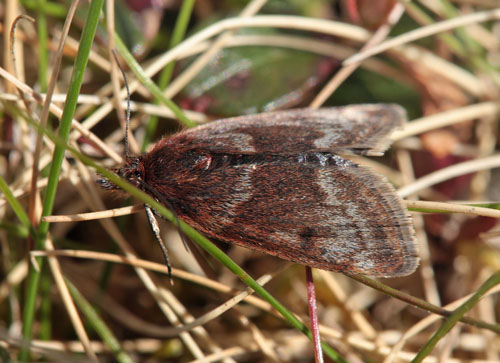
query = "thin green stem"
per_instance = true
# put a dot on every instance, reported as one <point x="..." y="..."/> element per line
<point x="456" y="316"/>
<point x="98" y="324"/>
<point x="51" y="9"/>
<point x="420" y="303"/>
<point x="15" y="229"/>
<point x="16" y="206"/>
<point x="55" y="168"/>
<point x="45" y="305"/>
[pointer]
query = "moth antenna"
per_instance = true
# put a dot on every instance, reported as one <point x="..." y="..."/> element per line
<point x="127" y="117"/>
<point x="153" y="223"/>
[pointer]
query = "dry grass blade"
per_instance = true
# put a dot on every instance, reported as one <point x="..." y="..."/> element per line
<point x="95" y="215"/>
<point x="452" y="207"/>
<point x="69" y="303"/>
<point x="425" y="32"/>
<point x="450" y="172"/>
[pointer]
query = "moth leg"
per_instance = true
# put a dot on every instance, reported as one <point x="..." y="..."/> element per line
<point x="153" y="223"/>
<point x="179" y="229"/>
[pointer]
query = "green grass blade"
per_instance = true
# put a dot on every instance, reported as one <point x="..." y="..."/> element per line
<point x="55" y="168"/>
<point x="98" y="325"/>
<point x="456" y="316"/>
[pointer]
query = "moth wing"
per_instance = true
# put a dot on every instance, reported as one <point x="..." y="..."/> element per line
<point x="341" y="217"/>
<point x="361" y="129"/>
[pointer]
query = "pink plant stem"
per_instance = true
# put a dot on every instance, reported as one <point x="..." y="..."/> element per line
<point x="313" y="314"/>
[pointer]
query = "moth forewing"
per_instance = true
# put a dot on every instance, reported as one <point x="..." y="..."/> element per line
<point x="362" y="129"/>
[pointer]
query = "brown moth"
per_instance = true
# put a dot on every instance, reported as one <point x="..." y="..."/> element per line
<point x="275" y="182"/>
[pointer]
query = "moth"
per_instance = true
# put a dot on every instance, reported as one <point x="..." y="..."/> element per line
<point x="276" y="182"/>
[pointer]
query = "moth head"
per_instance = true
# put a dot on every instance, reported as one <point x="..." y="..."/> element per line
<point x="132" y="171"/>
